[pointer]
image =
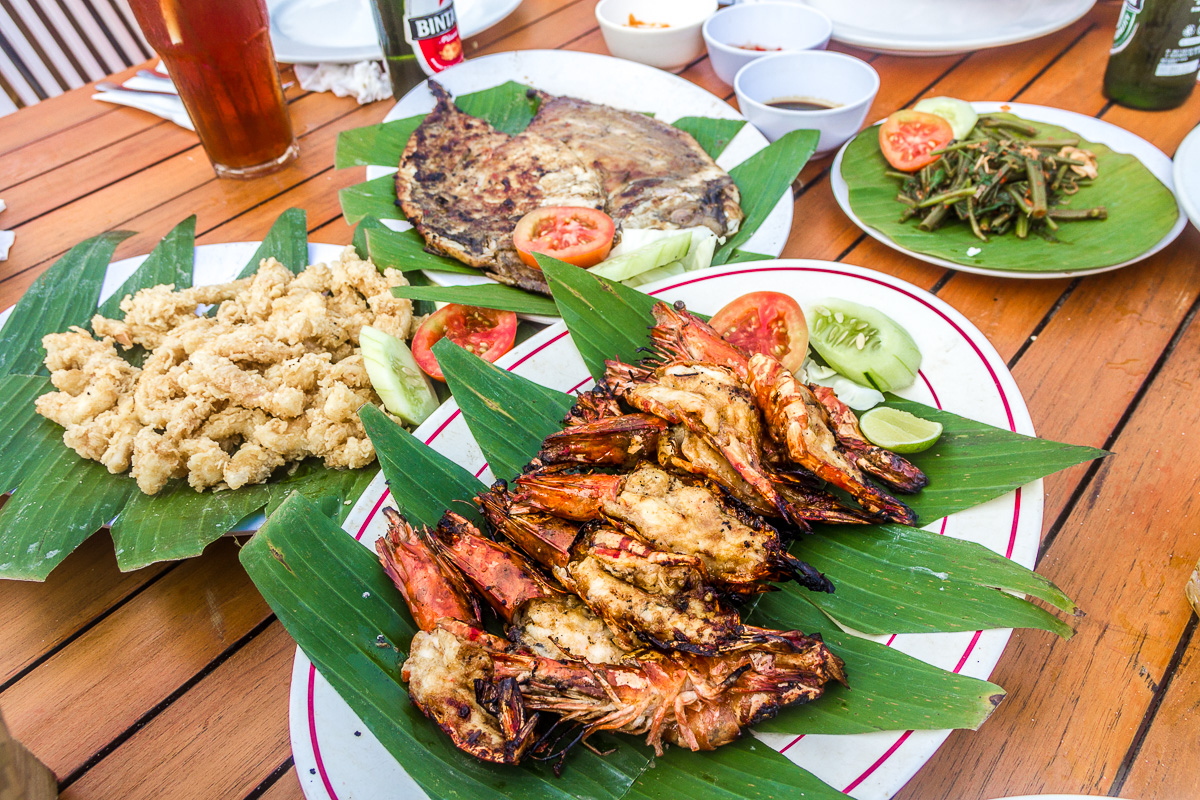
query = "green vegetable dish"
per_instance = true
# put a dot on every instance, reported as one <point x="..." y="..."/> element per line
<point x="1013" y="195"/>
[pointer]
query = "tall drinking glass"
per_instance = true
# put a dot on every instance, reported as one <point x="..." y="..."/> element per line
<point x="218" y="52"/>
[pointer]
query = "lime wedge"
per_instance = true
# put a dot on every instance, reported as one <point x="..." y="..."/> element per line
<point x="899" y="431"/>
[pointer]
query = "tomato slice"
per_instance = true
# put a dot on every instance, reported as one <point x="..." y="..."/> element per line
<point x="486" y="332"/>
<point x="765" y="322"/>
<point x="907" y="139"/>
<point x="579" y="236"/>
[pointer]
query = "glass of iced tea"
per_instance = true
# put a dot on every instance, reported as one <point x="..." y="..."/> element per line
<point x="218" y="52"/>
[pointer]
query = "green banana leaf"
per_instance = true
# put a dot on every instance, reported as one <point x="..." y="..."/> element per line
<point x="714" y="135"/>
<point x="286" y="242"/>
<point x="373" y="198"/>
<point x="47" y="308"/>
<point x="381" y="144"/>
<point x="336" y="601"/>
<point x="171" y="262"/>
<point x="37" y="529"/>
<point x="762" y="179"/>
<point x="487" y="295"/>
<point x="405" y="251"/>
<point x="1141" y="210"/>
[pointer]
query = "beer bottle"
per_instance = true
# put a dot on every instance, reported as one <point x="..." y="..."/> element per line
<point x="419" y="38"/>
<point x="1155" y="54"/>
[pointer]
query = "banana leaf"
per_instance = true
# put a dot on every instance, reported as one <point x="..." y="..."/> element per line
<point x="47" y="306"/>
<point x="1141" y="210"/>
<point x="405" y="251"/>
<point x="37" y="529"/>
<point x="488" y="295"/>
<point x="374" y="198"/>
<point x="286" y="242"/>
<point x="762" y="179"/>
<point x="714" y="135"/>
<point x="335" y="601"/>
<point x="171" y="262"/>
<point x="380" y="145"/>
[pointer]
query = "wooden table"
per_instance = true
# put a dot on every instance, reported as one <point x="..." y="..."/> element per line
<point x="172" y="682"/>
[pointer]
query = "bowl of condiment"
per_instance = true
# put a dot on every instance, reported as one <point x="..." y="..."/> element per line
<point x="742" y="33"/>
<point x="661" y="33"/>
<point x="809" y="89"/>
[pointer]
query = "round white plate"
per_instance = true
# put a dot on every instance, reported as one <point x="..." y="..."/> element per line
<point x="1090" y="128"/>
<point x="1187" y="175"/>
<point x="342" y="31"/>
<point x="942" y="27"/>
<point x="337" y="757"/>
<point x="600" y="79"/>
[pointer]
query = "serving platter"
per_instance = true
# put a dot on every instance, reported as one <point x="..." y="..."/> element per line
<point x="945" y="27"/>
<point x="600" y="79"/>
<point x="1091" y="129"/>
<point x="337" y="757"/>
<point x="342" y="31"/>
<point x="1186" y="172"/>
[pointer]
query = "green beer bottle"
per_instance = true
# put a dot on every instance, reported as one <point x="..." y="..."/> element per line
<point x="1155" y="54"/>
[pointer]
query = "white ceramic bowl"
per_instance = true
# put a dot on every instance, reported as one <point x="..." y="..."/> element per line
<point x="771" y="26"/>
<point x="671" y="47"/>
<point x="819" y="75"/>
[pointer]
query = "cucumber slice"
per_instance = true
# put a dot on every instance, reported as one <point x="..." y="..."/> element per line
<point x="958" y="113"/>
<point x="864" y="344"/>
<point x="699" y="256"/>
<point x="395" y="376"/>
<point x="643" y="259"/>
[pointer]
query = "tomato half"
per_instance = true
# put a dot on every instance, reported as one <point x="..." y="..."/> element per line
<point x="765" y="322"/>
<point x="485" y="332"/>
<point x="907" y="139"/>
<point x="579" y="236"/>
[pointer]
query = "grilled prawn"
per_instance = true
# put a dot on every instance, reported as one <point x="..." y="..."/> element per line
<point x="451" y="653"/>
<point x="739" y="552"/>
<point x="892" y="469"/>
<point x="796" y="419"/>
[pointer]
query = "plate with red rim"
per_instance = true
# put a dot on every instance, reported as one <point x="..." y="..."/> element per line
<point x="337" y="757"/>
<point x="599" y="79"/>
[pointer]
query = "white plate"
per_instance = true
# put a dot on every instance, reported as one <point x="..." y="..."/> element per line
<point x="1187" y="175"/>
<point x="607" y="80"/>
<point x="337" y="757"/>
<point x="1090" y="128"/>
<point x="342" y="31"/>
<point x="942" y="27"/>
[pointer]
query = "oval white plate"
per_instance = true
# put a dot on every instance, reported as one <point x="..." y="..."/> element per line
<point x="1187" y="175"/>
<point x="600" y="79"/>
<point x="342" y="31"/>
<point x="1090" y="128"/>
<point x="338" y="759"/>
<point x="942" y="27"/>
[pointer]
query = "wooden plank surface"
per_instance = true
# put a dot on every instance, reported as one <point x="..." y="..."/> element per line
<point x="173" y="681"/>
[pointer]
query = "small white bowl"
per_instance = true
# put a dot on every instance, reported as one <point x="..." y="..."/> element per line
<point x="671" y="47"/>
<point x="772" y="26"/>
<point x="819" y="75"/>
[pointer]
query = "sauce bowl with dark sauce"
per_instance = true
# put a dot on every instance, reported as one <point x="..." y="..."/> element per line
<point x="813" y="89"/>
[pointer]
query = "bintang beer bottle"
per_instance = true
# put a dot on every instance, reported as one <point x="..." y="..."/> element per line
<point x="1155" y="54"/>
<point x="419" y="38"/>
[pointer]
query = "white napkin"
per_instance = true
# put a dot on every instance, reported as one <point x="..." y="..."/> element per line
<point x="364" y="81"/>
<point x="6" y="238"/>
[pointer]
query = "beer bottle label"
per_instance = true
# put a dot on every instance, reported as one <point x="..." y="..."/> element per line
<point x="1127" y="25"/>
<point x="431" y="27"/>
<point x="1184" y="58"/>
